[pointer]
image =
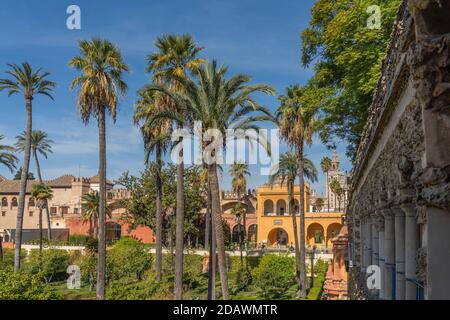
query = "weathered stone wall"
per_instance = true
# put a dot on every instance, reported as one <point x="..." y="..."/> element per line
<point x="399" y="207"/>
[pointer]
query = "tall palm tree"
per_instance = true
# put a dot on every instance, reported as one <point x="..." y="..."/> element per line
<point x="156" y="139"/>
<point x="239" y="172"/>
<point x="40" y="143"/>
<point x="296" y="122"/>
<point x="287" y="171"/>
<point x="24" y="80"/>
<point x="325" y="164"/>
<point x="7" y="158"/>
<point x="90" y="204"/>
<point x="176" y="56"/>
<point x="99" y="86"/>
<point x="220" y="104"/>
<point x="42" y="193"/>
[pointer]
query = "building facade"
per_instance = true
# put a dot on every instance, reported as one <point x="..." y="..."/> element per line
<point x="399" y="210"/>
<point x="337" y="202"/>
<point x="65" y="210"/>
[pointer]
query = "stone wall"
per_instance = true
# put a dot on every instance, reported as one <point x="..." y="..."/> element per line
<point x="399" y="210"/>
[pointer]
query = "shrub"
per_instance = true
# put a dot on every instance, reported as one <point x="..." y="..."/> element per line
<point x="192" y="272"/>
<point x="124" y="289"/>
<point x="8" y="258"/>
<point x="88" y="269"/>
<point x="127" y="257"/>
<point x="54" y="264"/>
<point x="79" y="239"/>
<point x="23" y="286"/>
<point x="274" y="275"/>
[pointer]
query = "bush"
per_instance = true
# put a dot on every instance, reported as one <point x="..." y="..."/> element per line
<point x="79" y="239"/>
<point x="88" y="269"/>
<point x="54" y="264"/>
<point x="127" y="257"/>
<point x="274" y="275"/>
<point x="192" y="272"/>
<point x="23" y="286"/>
<point x="124" y="289"/>
<point x="8" y="258"/>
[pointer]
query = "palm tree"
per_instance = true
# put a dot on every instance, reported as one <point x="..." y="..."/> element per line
<point x="325" y="164"/>
<point x="7" y="158"/>
<point x="42" y="193"/>
<point x="218" y="103"/>
<point x="156" y="139"/>
<point x="176" y="55"/>
<point x="99" y="87"/>
<point x="239" y="171"/>
<point x="30" y="83"/>
<point x="90" y="204"/>
<point x="40" y="143"/>
<point x="296" y="123"/>
<point x="286" y="171"/>
<point x="338" y="191"/>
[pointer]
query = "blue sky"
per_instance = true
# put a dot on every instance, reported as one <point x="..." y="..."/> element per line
<point x="257" y="37"/>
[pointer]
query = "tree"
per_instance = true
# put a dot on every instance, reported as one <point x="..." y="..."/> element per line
<point x="337" y="189"/>
<point x="296" y="122"/>
<point x="325" y="164"/>
<point x="176" y="55"/>
<point x="239" y="172"/>
<point x="18" y="175"/>
<point x="40" y="143"/>
<point x="219" y="104"/>
<point x="99" y="86"/>
<point x="319" y="204"/>
<point x="239" y="212"/>
<point x="29" y="83"/>
<point x="347" y="56"/>
<point x="156" y="138"/>
<point x="7" y="158"/>
<point x="42" y="193"/>
<point x="90" y="206"/>
<point x="286" y="171"/>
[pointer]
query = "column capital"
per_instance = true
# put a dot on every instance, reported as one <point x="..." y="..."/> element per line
<point x="398" y="212"/>
<point x="388" y="214"/>
<point x="409" y="209"/>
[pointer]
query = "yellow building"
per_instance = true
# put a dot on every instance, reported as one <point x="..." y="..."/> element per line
<point x="275" y="222"/>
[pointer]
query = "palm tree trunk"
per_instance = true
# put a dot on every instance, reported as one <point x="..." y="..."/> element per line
<point x="208" y="220"/>
<point x="101" y="269"/>
<point x="158" y="262"/>
<point x="294" y="227"/>
<point x="40" y="239"/>
<point x="212" y="251"/>
<point x="328" y="193"/>
<point x="23" y="186"/>
<point x="47" y="212"/>
<point x="179" y="233"/>
<point x="302" y="290"/>
<point x="218" y="228"/>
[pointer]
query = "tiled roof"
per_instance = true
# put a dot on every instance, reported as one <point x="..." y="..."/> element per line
<point x="2" y="178"/>
<point x="96" y="179"/>
<point x="13" y="186"/>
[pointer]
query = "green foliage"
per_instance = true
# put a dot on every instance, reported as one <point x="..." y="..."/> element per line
<point x="192" y="272"/>
<point x="79" y="239"/>
<point x="8" y="258"/>
<point x="141" y="207"/>
<point x="243" y="279"/>
<point x="124" y="289"/>
<point x="274" y="275"/>
<point x="347" y="57"/>
<point x="88" y="269"/>
<point x="54" y="263"/>
<point x="23" y="286"/>
<point x="127" y="258"/>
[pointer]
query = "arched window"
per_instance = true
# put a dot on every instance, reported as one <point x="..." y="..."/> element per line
<point x="253" y="233"/>
<point x="238" y="233"/>
<point x="14" y="202"/>
<point x="31" y="202"/>
<point x="4" y="202"/>
<point x="281" y="207"/>
<point x="268" y="207"/>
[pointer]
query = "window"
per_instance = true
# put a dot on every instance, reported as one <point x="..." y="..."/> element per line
<point x="14" y="202"/>
<point x="4" y="202"/>
<point x="31" y="202"/>
<point x="3" y="213"/>
<point x="30" y="213"/>
<point x="75" y="210"/>
<point x="53" y="210"/>
<point x="64" y="210"/>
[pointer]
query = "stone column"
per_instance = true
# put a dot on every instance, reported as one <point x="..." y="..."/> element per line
<point x="399" y="253"/>
<point x="411" y="249"/>
<point x="369" y="242"/>
<point x="389" y="254"/>
<point x="381" y="258"/>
